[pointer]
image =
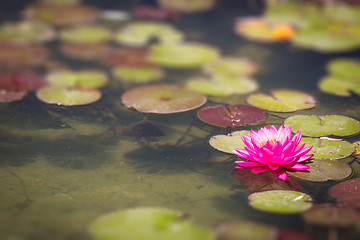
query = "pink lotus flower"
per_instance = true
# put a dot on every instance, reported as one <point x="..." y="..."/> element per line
<point x="274" y="150"/>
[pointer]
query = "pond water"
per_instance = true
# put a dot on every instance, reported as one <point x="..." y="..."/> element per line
<point x="61" y="167"/>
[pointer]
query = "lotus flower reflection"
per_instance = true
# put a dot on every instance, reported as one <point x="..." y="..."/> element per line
<point x="274" y="150"/>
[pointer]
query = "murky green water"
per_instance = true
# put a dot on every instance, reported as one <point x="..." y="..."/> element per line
<point x="60" y="167"/>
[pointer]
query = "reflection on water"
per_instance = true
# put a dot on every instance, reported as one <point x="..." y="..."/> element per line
<point x="61" y="167"/>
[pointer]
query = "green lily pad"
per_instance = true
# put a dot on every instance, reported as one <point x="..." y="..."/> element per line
<point x="331" y="215"/>
<point x="138" y="74"/>
<point x="62" y="15"/>
<point x="60" y="2"/>
<point x="147" y="223"/>
<point x="317" y="126"/>
<point x="259" y="29"/>
<point x="339" y="86"/>
<point x="328" y="148"/>
<point x="68" y="97"/>
<point x="26" y="32"/>
<point x="162" y="99"/>
<point x="231" y="115"/>
<point x="226" y="143"/>
<point x="246" y="230"/>
<point x="280" y="201"/>
<point x="187" y="6"/>
<point x="347" y="192"/>
<point x="322" y="170"/>
<point x="222" y="85"/>
<point x="231" y="66"/>
<point x="182" y="55"/>
<point x="85" y="34"/>
<point x="79" y="79"/>
<point x="140" y="33"/>
<point x="282" y="100"/>
<point x="345" y="68"/>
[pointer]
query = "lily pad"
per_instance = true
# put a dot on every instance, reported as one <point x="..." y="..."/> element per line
<point x="347" y="192"/>
<point x="26" y="32"/>
<point x="11" y="95"/>
<point x="246" y="230"/>
<point x="85" y="34"/>
<point x="317" y="126"/>
<point x="222" y="85"/>
<point x="62" y="15"/>
<point x="59" y="2"/>
<point x="182" y="55"/>
<point x="331" y="215"/>
<point x="231" y="66"/>
<point x="22" y="55"/>
<point x="154" y="13"/>
<point x="77" y="79"/>
<point x="282" y="100"/>
<point x="139" y="34"/>
<point x="132" y="57"/>
<point x="339" y="86"/>
<point x="147" y="223"/>
<point x="328" y="148"/>
<point x="232" y="115"/>
<point x="68" y="97"/>
<point x="261" y="30"/>
<point x="187" y="6"/>
<point x="322" y="170"/>
<point x="162" y="99"/>
<point x="345" y="68"/>
<point x="357" y="147"/>
<point x="138" y="74"/>
<point x="280" y="201"/>
<point x="226" y="143"/>
<point x="85" y="51"/>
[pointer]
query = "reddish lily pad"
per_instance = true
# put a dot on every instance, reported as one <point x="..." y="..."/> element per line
<point x="138" y="34"/>
<point x="322" y="170"/>
<point x="85" y="34"/>
<point x="232" y="115"/>
<point x="282" y="100"/>
<point x="127" y="57"/>
<point x="11" y="95"/>
<point x="261" y="30"/>
<point x="26" y="32"/>
<point x="347" y="192"/>
<point x="246" y="230"/>
<point x="153" y="13"/>
<point x="62" y="15"/>
<point x="182" y="55"/>
<point x="138" y="74"/>
<point x="231" y="66"/>
<point x="226" y="143"/>
<point x="22" y="55"/>
<point x="317" y="126"/>
<point x="162" y="99"/>
<point x="187" y="6"/>
<point x="329" y="148"/>
<point x="68" y="97"/>
<point x="85" y="51"/>
<point x="280" y="201"/>
<point x="77" y="79"/>
<point x="331" y="215"/>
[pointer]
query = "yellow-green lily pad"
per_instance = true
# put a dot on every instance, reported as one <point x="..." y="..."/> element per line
<point x="280" y="201"/>
<point x="231" y="66"/>
<point x="323" y="170"/>
<point x="26" y="32"/>
<point x="187" y="6"/>
<point x="138" y="74"/>
<point x="68" y="97"/>
<point x="77" y="79"/>
<point x="282" y="100"/>
<point x="162" y="99"/>
<point x="182" y="55"/>
<point x="226" y="143"/>
<point x="138" y="34"/>
<point x="328" y="147"/>
<point x="147" y="223"/>
<point x="318" y="126"/>
<point x="345" y="68"/>
<point x="85" y="34"/>
<point x="339" y="86"/>
<point x="222" y="85"/>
